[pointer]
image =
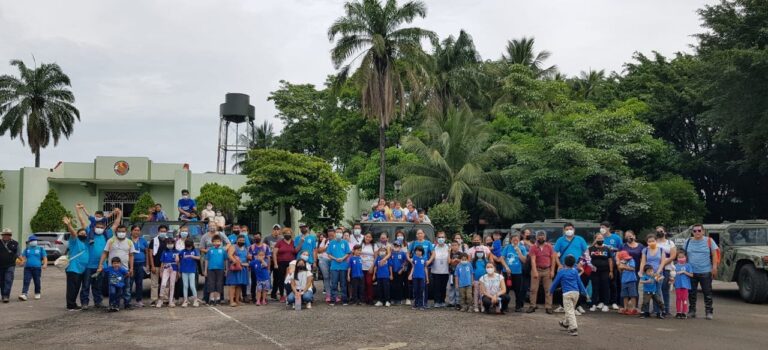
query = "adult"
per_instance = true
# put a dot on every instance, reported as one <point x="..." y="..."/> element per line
<point x="93" y="282"/>
<point x="301" y="284"/>
<point x="8" y="254"/>
<point x="383" y="242"/>
<point x="368" y="255"/>
<point x="338" y="251"/>
<point x="78" y="260"/>
<point x="306" y="242"/>
<point x="155" y="251"/>
<point x="208" y="214"/>
<point x="634" y="248"/>
<point x="324" y="262"/>
<point x="156" y="213"/>
<point x="459" y="239"/>
<point x="614" y="242"/>
<point x="274" y="236"/>
<point x="140" y="263"/>
<point x="665" y="243"/>
<point x="254" y="250"/>
<point x="35" y="260"/>
<point x="186" y="205"/>
<point x="513" y="256"/>
<point x="655" y="256"/>
<point x="237" y="270"/>
<point x="236" y="232"/>
<point x="356" y="238"/>
<point x="602" y="274"/>
<point x="542" y="257"/>
<point x="440" y="269"/>
<point x="703" y="258"/>
<point x="569" y="244"/>
<point x="284" y="253"/>
<point x="493" y="290"/>
<point x="121" y="247"/>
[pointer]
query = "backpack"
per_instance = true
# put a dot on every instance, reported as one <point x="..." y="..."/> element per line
<point x="709" y="245"/>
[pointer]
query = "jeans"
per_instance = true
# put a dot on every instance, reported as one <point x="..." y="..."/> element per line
<point x="6" y="280"/>
<point x="168" y="284"/>
<point x="517" y="288"/>
<point x="137" y="282"/>
<point x="419" y="293"/>
<point x="439" y="287"/>
<point x="382" y="289"/>
<point x="189" y="283"/>
<point x="93" y="285"/>
<point x="31" y="273"/>
<point x="338" y="280"/>
<point x="325" y="269"/>
<point x="115" y="294"/>
<point x="74" y="282"/>
<point x="502" y="303"/>
<point x="452" y="293"/>
<point x="705" y="279"/>
<point x="665" y="292"/>
<point x="305" y="298"/>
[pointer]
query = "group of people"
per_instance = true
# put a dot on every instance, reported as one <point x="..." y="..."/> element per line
<point x="394" y="212"/>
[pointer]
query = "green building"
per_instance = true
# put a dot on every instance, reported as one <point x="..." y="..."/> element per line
<point x="111" y="182"/>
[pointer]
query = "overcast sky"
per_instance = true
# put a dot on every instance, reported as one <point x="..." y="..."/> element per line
<point x="149" y="75"/>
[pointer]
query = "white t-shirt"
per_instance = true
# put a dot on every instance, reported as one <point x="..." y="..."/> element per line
<point x="491" y="284"/>
<point x="324" y="255"/>
<point x="440" y="264"/>
<point x="667" y="249"/>
<point x="353" y="241"/>
<point x="480" y="248"/>
<point x="301" y="281"/>
<point x="207" y="214"/>
<point x="368" y="256"/>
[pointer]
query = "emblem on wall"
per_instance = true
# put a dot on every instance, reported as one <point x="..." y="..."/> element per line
<point x="121" y="167"/>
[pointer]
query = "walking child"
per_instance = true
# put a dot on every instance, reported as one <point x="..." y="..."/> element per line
<point x="628" y="283"/>
<point x="35" y="259"/>
<point x="682" y="283"/>
<point x="382" y="269"/>
<point x="570" y="282"/>
<point x="187" y="262"/>
<point x="650" y="284"/>
<point x="355" y="276"/>
<point x="215" y="272"/>
<point x="116" y="275"/>
<point x="463" y="278"/>
<point x="169" y="269"/>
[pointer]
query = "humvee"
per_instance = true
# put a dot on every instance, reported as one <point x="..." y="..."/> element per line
<point x="554" y="228"/>
<point x="744" y="255"/>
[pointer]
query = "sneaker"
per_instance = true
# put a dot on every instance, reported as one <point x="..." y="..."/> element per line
<point x="97" y="306"/>
<point x="387" y="304"/>
<point x="258" y="303"/>
<point x="593" y="308"/>
<point x="580" y="309"/>
<point x="709" y="316"/>
<point x="600" y="306"/>
<point x="282" y="299"/>
<point x="345" y="304"/>
<point x="573" y="332"/>
<point x="477" y="309"/>
<point x="309" y="306"/>
<point x="331" y="304"/>
<point x="645" y="315"/>
<point x="530" y="310"/>
<point x="5" y="300"/>
<point x="559" y="310"/>
<point x="577" y="312"/>
<point x="692" y="314"/>
<point x="112" y="309"/>
<point x="407" y="301"/>
<point x="185" y="304"/>
<point x="196" y="303"/>
<point x="37" y="296"/>
<point x="614" y="306"/>
<point x="549" y="311"/>
<point x="140" y="304"/>
<point x="159" y="304"/>
<point x="562" y="324"/>
<point x="23" y="297"/>
<point x="171" y="304"/>
<point x="683" y="316"/>
<point x="605" y="308"/>
<point x="338" y="300"/>
<point x="327" y="299"/>
<point x="72" y="309"/>
<point x="518" y="309"/>
<point x="85" y="307"/>
<point x="660" y="316"/>
<point x="378" y="303"/>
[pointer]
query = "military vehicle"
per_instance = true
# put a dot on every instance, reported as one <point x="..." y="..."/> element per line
<point x="554" y="228"/>
<point x="744" y="255"/>
<point x="391" y="227"/>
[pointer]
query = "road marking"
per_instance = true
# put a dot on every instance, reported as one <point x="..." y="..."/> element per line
<point x="268" y="338"/>
<point x="665" y="329"/>
<point x="391" y="346"/>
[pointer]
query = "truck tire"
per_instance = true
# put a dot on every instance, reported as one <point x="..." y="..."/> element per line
<point x="753" y="284"/>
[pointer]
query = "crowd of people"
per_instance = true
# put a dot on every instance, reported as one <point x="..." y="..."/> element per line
<point x="394" y="212"/>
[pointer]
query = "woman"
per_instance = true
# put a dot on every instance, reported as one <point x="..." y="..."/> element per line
<point x="602" y="275"/>
<point x="634" y="248"/>
<point x="493" y="290"/>
<point x="237" y="274"/>
<point x="284" y="252"/>
<point x="324" y="262"/>
<point x="368" y="256"/>
<point x="459" y="239"/>
<point x="207" y="215"/>
<point x="383" y="243"/>
<point x="655" y="256"/>
<point x="301" y="285"/>
<point x="440" y="270"/>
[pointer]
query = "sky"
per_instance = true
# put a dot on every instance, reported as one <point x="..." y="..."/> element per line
<point x="148" y="76"/>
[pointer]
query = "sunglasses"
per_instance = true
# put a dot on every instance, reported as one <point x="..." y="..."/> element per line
<point x="697" y="230"/>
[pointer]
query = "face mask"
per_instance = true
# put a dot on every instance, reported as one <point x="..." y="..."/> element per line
<point x="217" y="244"/>
<point x="630" y="239"/>
<point x="169" y="246"/>
<point x="652" y="245"/>
<point x="598" y="243"/>
<point x="121" y="235"/>
<point x="184" y="234"/>
<point x="475" y="244"/>
<point x="237" y="232"/>
<point x="218" y="214"/>
<point x="82" y="238"/>
<point x="162" y="235"/>
<point x="209" y="207"/>
<point x="441" y="240"/>
<point x="480" y="255"/>
<point x="464" y="262"/>
<point x="603" y="231"/>
<point x="98" y="231"/>
<point x="339" y="235"/>
<point x="185" y="197"/>
<point x="659" y="234"/>
<point x="257" y="240"/>
<point x="240" y="244"/>
<point x="357" y="231"/>
<point x="99" y="218"/>
<point x="400" y="239"/>
<point x="301" y="267"/>
<point x="382" y="253"/>
<point x="540" y="240"/>
<point x="490" y="270"/>
<point x="243" y="233"/>
<point x="489" y="244"/>
<point x="287" y="237"/>
<point x="305" y="257"/>
<point x="682" y="260"/>
<point x="32" y="243"/>
<point x="569" y="233"/>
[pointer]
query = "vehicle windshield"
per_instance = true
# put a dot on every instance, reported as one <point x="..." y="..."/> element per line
<point x="742" y="236"/>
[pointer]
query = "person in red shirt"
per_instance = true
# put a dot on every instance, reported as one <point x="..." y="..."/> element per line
<point x="542" y="270"/>
<point x="284" y="253"/>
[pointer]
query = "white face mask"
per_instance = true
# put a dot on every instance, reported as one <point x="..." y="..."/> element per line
<point x="357" y="231"/>
<point x="32" y="243"/>
<point x="121" y="235"/>
<point x="184" y="234"/>
<point x="98" y="231"/>
<point x="339" y="235"/>
<point x="490" y="270"/>
<point x="169" y="246"/>
<point x="185" y="197"/>
<point x="603" y="230"/>
<point x="569" y="233"/>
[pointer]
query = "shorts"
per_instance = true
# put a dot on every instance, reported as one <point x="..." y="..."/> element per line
<point x="629" y="290"/>
<point x="263" y="286"/>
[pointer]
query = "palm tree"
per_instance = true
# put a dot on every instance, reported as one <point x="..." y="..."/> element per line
<point x="455" y="76"/>
<point x="391" y="58"/>
<point x="456" y="165"/>
<point x="263" y="136"/>
<point x="522" y="52"/>
<point x="585" y="84"/>
<point x="39" y="99"/>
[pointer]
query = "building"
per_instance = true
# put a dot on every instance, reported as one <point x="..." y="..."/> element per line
<point x="111" y="182"/>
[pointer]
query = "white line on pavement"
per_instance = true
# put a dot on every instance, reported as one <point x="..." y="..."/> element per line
<point x="268" y="338"/>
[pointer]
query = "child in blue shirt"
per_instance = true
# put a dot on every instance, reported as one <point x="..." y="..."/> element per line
<point x="187" y="261"/>
<point x="169" y="269"/>
<point x="569" y="280"/>
<point x="214" y="278"/>
<point x="648" y="281"/>
<point x="116" y="275"/>
<point x="382" y="269"/>
<point x="260" y="268"/>
<point x="399" y="267"/>
<point x="628" y="283"/>
<point x="34" y="259"/>
<point x="420" y="279"/>
<point x="355" y="275"/>
<point x="463" y="278"/>
<point x="682" y="283"/>
<point x="478" y="266"/>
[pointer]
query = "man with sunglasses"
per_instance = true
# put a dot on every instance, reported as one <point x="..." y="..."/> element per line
<point x="702" y="256"/>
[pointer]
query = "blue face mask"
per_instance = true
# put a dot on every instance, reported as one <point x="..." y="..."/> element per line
<point x="441" y="240"/>
<point x="162" y="235"/>
<point x="184" y="234"/>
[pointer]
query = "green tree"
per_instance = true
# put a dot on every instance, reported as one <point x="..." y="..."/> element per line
<point x="262" y="136"/>
<point x="141" y="208"/>
<point x="448" y="217"/>
<point x="363" y="171"/>
<point x="39" y="99"/>
<point x="454" y="73"/>
<point x="521" y="51"/>
<point x="49" y="214"/>
<point x="390" y="56"/>
<point x="281" y="179"/>
<point x="222" y="197"/>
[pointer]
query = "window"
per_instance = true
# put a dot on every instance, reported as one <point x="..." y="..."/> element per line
<point x="749" y="235"/>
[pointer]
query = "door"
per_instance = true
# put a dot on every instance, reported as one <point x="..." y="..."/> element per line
<point x="124" y="200"/>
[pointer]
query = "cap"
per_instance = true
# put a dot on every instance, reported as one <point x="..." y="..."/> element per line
<point x="301" y="224"/>
<point x="7" y="231"/>
<point x="276" y="226"/>
<point x="31" y="238"/>
<point x="397" y="243"/>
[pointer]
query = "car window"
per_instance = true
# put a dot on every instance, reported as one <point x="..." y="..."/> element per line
<point x="749" y="235"/>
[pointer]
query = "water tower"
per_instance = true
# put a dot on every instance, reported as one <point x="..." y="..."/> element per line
<point x="235" y="110"/>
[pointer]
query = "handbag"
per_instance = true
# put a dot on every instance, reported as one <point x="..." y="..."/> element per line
<point x="235" y="266"/>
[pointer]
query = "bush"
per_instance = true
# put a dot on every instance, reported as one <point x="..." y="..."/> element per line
<point x="141" y="209"/>
<point x="222" y="197"/>
<point x="49" y="214"/>
<point x="448" y="217"/>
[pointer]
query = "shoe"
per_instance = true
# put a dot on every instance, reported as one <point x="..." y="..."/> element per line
<point x="593" y="308"/>
<point x="683" y="316"/>
<point x="577" y="312"/>
<point x="600" y="306"/>
<point x="327" y="299"/>
<point x="378" y="303"/>
<point x="345" y="304"/>
<point x="111" y="309"/>
<point x="477" y="309"/>
<point x="573" y="332"/>
<point x="559" y="310"/>
<point x="660" y="316"/>
<point x="332" y="304"/>
<point x="5" y="300"/>
<point x="171" y="304"/>
<point x="23" y="297"/>
<point x="709" y="316"/>
<point x="387" y="304"/>
<point x="139" y="304"/>
<point x="692" y="314"/>
<point x="645" y="315"/>
<point x="97" y="306"/>
<point x="338" y="300"/>
<point x="37" y="296"/>
<point x="258" y="303"/>
<point x="196" y="303"/>
<point x="159" y="304"/>
<point x="309" y="306"/>
<point x="282" y="299"/>
<point x="407" y="301"/>
<point x="466" y="309"/>
<point x="580" y="309"/>
<point x="72" y="309"/>
<point x="423" y="309"/>
<point x="530" y="310"/>
<point x="614" y="306"/>
<point x="605" y="308"/>
<point x="518" y="309"/>
<point x="85" y="307"/>
<point x="185" y="304"/>
<point x="549" y="311"/>
<point x="562" y="324"/>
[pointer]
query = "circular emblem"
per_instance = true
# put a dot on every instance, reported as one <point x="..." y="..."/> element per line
<point x="121" y="167"/>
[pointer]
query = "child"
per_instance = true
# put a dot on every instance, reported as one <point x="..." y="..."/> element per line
<point x="382" y="269"/>
<point x="170" y="268"/>
<point x="260" y="268"/>
<point x="682" y="283"/>
<point x="568" y="279"/>
<point x="420" y="279"/>
<point x="116" y="276"/>
<point x="34" y="259"/>
<point x="649" y="282"/>
<point x="355" y="275"/>
<point x="399" y="266"/>
<point x="478" y="266"/>
<point x="628" y="283"/>
<point x="463" y="278"/>
<point x="215" y="274"/>
<point x="187" y="262"/>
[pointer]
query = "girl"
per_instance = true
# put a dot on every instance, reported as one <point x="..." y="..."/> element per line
<point x="169" y="271"/>
<point x="459" y="238"/>
<point x="237" y="276"/>
<point x="479" y="261"/>
<point x="301" y="285"/>
<point x="368" y="256"/>
<point x="682" y="283"/>
<point x="187" y="261"/>
<point x="603" y="274"/>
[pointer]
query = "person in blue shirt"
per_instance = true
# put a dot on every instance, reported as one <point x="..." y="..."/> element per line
<point x="626" y="265"/>
<point x="169" y="269"/>
<point x="34" y="259"/>
<point x="140" y="263"/>
<point x="187" y="261"/>
<point x="479" y="260"/>
<point x="78" y="262"/>
<point x="116" y="278"/>
<point x="569" y="281"/>
<point x="186" y="205"/>
<point x="464" y="278"/>
<point x="97" y="217"/>
<point x="382" y="269"/>
<point x="703" y="257"/>
<point x="260" y="272"/>
<point x="513" y="256"/>
<point x="427" y="247"/>
<point x="682" y="283"/>
<point x="569" y="244"/>
<point x="496" y="246"/>
<point x="215" y="273"/>
<point x="93" y="282"/>
<point x="355" y="276"/>
<point x="420" y="278"/>
<point x="306" y="242"/>
<point x="338" y="253"/>
<point x="399" y="273"/>
<point x="649" y="281"/>
<point x="237" y="232"/>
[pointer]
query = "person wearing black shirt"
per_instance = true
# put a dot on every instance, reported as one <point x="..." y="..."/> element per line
<point x="9" y="251"/>
<point x="600" y="255"/>
<point x="155" y="251"/>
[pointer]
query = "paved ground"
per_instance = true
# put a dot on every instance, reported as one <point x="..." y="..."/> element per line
<point x="43" y="324"/>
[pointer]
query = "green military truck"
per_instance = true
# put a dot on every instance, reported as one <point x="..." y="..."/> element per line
<point x="554" y="228"/>
<point x="744" y="255"/>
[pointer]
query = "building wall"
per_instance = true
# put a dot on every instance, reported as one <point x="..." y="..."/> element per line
<point x="9" y="201"/>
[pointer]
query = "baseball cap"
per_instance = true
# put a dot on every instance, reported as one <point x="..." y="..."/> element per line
<point x="32" y="238"/>
<point x="276" y="226"/>
<point x="301" y="224"/>
<point x="7" y="231"/>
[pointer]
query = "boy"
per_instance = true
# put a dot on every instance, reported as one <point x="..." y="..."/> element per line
<point x="399" y="268"/>
<point x="463" y="278"/>
<point x="570" y="282"/>
<point x="628" y="283"/>
<point x="420" y="279"/>
<point x="116" y="276"/>
<point x="649" y="282"/>
<point x="187" y="261"/>
<point x="382" y="269"/>
<point x="260" y="267"/>
<point x="215" y="274"/>
<point x="34" y="259"/>
<point x="355" y="275"/>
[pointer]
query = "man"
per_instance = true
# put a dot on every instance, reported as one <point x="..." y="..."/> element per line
<point x="154" y="253"/>
<point x="542" y="257"/>
<point x="8" y="254"/>
<point x="236" y="232"/>
<point x="121" y="247"/>
<point x="78" y="260"/>
<point x="613" y="241"/>
<point x="669" y="247"/>
<point x="569" y="244"/>
<point x="356" y="238"/>
<point x="703" y="258"/>
<point x="186" y="205"/>
<point x="306" y="242"/>
<point x="338" y="252"/>
<point x="274" y="236"/>
<point x="94" y="283"/>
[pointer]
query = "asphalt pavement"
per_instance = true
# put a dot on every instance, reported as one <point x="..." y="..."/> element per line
<point x="45" y="324"/>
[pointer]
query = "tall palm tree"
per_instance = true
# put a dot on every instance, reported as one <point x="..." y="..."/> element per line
<point x="522" y="52"/>
<point x="39" y="99"/>
<point x="391" y="58"/>
<point x="455" y="76"/>
<point x="456" y="165"/>
<point x="585" y="84"/>
<point x="263" y="136"/>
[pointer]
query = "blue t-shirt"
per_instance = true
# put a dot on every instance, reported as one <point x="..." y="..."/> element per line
<point x="92" y="220"/>
<point x="337" y="249"/>
<point x="382" y="270"/>
<point x="681" y="280"/>
<point x="628" y="276"/>
<point x="76" y="247"/>
<point x="187" y="204"/>
<point x="699" y="254"/>
<point x="233" y="239"/>
<point x="377" y="215"/>
<point x="169" y="257"/>
<point x="397" y="214"/>
<point x="398" y="260"/>
<point x="511" y="258"/>
<point x="650" y="284"/>
<point x="215" y="257"/>
<point x="116" y="277"/>
<point x="496" y="248"/>
<point x="418" y="267"/>
<point x="356" y="267"/>
<point x="464" y="274"/>
<point x="141" y="247"/>
<point x="478" y="266"/>
<point x="425" y="244"/>
<point x="654" y="259"/>
<point x="261" y="270"/>
<point x="97" y="247"/>
<point x="309" y="245"/>
<point x="568" y="279"/>
<point x="254" y="251"/>
<point x="188" y="265"/>
<point x="34" y="256"/>
<point x="614" y="241"/>
<point x="576" y="248"/>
